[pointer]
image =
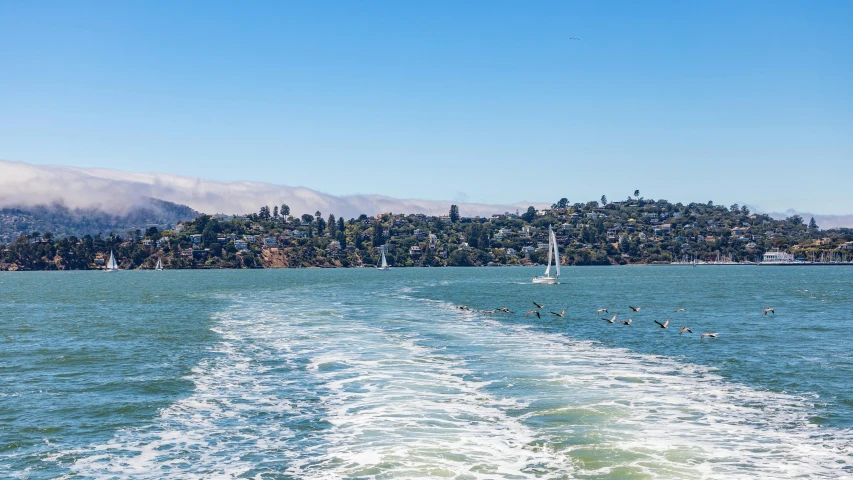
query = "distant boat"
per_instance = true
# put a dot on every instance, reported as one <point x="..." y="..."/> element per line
<point x="159" y="265"/>
<point x="112" y="266"/>
<point x="383" y="265"/>
<point x="553" y="254"/>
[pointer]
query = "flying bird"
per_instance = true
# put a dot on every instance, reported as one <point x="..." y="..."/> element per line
<point x="634" y="309"/>
<point x="561" y="313"/>
<point x="574" y="38"/>
<point x="685" y="329"/>
<point x="712" y="335"/>
<point x="626" y="322"/>
<point x="537" y="305"/>
<point x="664" y="324"/>
<point x="611" y="320"/>
<point x="771" y="310"/>
<point x="601" y="310"/>
<point x="504" y="310"/>
<point x="679" y="310"/>
<point x="533" y="311"/>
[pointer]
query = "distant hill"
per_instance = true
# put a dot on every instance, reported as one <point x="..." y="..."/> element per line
<point x="63" y="222"/>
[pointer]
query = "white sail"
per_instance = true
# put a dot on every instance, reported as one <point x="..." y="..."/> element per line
<point x="383" y="264"/>
<point x="556" y="253"/>
<point x="111" y="264"/>
<point x="550" y="253"/>
<point x="159" y="265"/>
<point x="553" y="253"/>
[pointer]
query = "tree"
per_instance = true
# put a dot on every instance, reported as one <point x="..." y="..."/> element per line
<point x="562" y="203"/>
<point x="377" y="234"/>
<point x="637" y="194"/>
<point x="332" y="225"/>
<point x="264" y="213"/>
<point x="275" y="212"/>
<point x="795" y="220"/>
<point x="307" y="218"/>
<point x="603" y="200"/>
<point x="285" y="210"/>
<point x="624" y="244"/>
<point x="454" y="213"/>
<point x="744" y="210"/>
<point x="734" y="208"/>
<point x="321" y="225"/>
<point x="813" y="225"/>
<point x="317" y="214"/>
<point x="529" y="215"/>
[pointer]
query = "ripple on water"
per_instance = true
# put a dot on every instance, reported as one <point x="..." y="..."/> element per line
<point x="379" y="392"/>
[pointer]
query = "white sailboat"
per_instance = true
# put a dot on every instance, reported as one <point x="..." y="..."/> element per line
<point x="112" y="266"/>
<point x="159" y="265"/>
<point x="553" y="254"/>
<point x="383" y="265"/>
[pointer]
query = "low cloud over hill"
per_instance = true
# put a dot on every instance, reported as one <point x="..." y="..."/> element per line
<point x="118" y="192"/>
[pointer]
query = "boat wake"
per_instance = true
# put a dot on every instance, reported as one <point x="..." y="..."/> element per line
<point x="373" y="388"/>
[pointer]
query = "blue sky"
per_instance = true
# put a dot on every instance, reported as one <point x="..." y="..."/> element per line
<point x="485" y="101"/>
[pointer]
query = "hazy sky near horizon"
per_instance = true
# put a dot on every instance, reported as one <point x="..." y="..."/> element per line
<point x="480" y="101"/>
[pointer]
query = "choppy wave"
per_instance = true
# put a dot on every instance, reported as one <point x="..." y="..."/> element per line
<point x="395" y="387"/>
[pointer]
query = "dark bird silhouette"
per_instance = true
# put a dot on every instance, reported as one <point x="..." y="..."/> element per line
<point x="533" y="311"/>
<point x="611" y="320"/>
<point x="537" y="305"/>
<point x="685" y="329"/>
<point x="771" y="310"/>
<point x="561" y="313"/>
<point x="634" y="309"/>
<point x="664" y="324"/>
<point x="601" y="310"/>
<point x="712" y="335"/>
<point x="626" y="322"/>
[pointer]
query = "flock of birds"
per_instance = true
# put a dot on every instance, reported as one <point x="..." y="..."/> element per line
<point x="537" y="311"/>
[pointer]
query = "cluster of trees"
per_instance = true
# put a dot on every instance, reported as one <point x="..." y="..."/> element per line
<point x="65" y="222"/>
<point x="590" y="233"/>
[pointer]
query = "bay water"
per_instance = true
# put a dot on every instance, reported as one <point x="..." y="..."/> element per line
<point x="280" y="374"/>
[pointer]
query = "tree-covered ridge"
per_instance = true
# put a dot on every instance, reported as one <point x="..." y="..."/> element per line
<point x="64" y="222"/>
<point x="594" y="233"/>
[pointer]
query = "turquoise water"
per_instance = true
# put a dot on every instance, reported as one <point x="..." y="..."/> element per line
<point x="365" y="374"/>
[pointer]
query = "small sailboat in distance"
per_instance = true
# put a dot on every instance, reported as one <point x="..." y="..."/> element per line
<point x="383" y="264"/>
<point x="112" y="266"/>
<point x="159" y="265"/>
<point x="553" y="253"/>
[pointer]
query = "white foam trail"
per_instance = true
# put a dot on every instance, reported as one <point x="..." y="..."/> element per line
<point x="366" y="389"/>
